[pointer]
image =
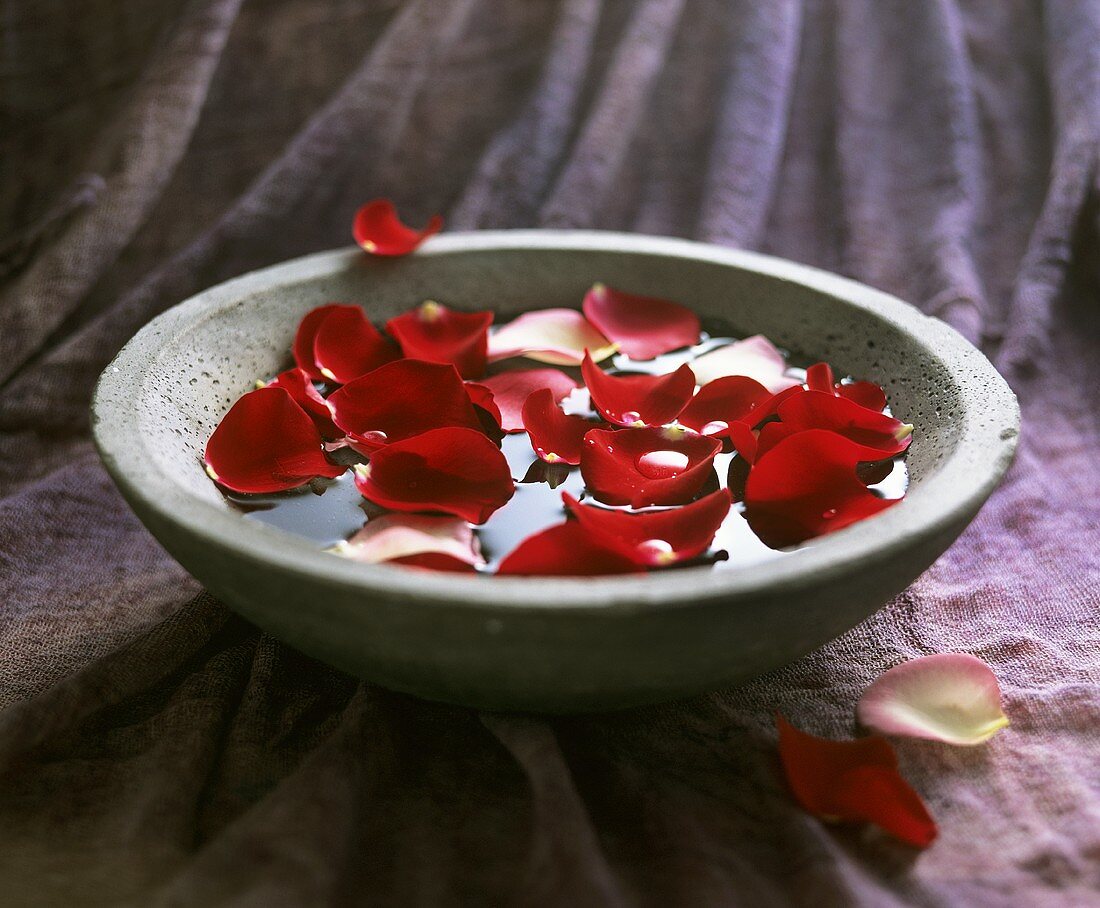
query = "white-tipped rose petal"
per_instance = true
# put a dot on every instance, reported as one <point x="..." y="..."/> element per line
<point x="555" y="336"/>
<point x="395" y="536"/>
<point x="951" y="697"/>
<point x="755" y="357"/>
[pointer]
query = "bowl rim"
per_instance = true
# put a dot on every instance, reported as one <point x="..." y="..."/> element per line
<point x="982" y="453"/>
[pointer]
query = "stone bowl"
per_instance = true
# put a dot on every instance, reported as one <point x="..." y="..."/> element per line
<point x="553" y="645"/>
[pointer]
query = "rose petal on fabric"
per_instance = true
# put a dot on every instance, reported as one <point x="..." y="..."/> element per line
<point x="865" y="393"/>
<point x="452" y="470"/>
<point x="754" y="357"/>
<point x="556" y="336"/>
<point x="302" y="348"/>
<point x="638" y="400"/>
<point x="299" y="386"/>
<point x="266" y="443"/>
<point x="655" y="538"/>
<point x="438" y="334"/>
<point x="721" y="403"/>
<point x="644" y="327"/>
<point x="346" y="345"/>
<point x="394" y="537"/>
<point x="950" y="697"/>
<point x="853" y="781"/>
<point x="555" y="436"/>
<point x="511" y="390"/>
<point x="643" y="467"/>
<point x="807" y="486"/>
<point x="379" y="231"/>
<point x="565" y="550"/>
<point x="400" y="400"/>
<point x="823" y="410"/>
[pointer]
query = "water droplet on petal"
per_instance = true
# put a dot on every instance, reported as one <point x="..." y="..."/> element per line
<point x="662" y="464"/>
<point x="657" y="551"/>
<point x="630" y="418"/>
<point x="375" y="437"/>
<point x="715" y="427"/>
<point x="829" y="514"/>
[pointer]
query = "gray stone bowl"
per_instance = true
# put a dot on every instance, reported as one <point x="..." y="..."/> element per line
<point x="557" y="645"/>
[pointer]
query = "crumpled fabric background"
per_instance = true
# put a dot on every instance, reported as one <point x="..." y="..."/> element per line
<point x="156" y="750"/>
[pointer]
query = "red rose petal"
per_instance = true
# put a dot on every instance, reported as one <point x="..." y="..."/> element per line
<point x="482" y="396"/>
<point x="744" y="441"/>
<point x="644" y="327"/>
<point x="565" y="550"/>
<point x="556" y="336"/>
<point x="656" y="538"/>
<point x="399" y="400"/>
<point x="266" y="443"/>
<point x="379" y="231"/>
<point x="436" y="561"/>
<point x="437" y="334"/>
<point x="721" y="403"/>
<point x="452" y="470"/>
<point x="853" y="781"/>
<point x="820" y="410"/>
<point x="643" y="467"/>
<point x="807" y="486"/>
<point x="302" y="347"/>
<point x="555" y="436"/>
<point x="865" y="393"/>
<point x="511" y="390"/>
<point x="346" y="345"/>
<point x="638" y="400"/>
<point x="299" y="386"/>
<point x="819" y="377"/>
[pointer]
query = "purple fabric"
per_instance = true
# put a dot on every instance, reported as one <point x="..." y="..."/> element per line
<point x="157" y="750"/>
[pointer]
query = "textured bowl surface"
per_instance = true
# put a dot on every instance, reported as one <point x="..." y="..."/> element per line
<point x="551" y="644"/>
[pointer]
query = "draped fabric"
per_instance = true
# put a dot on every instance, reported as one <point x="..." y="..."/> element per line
<point x="157" y="750"/>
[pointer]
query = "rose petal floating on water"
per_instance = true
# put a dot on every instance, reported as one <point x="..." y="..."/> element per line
<point x="379" y="231"/>
<point x="438" y="334"/>
<point x="638" y="400"/>
<point x="556" y="336"/>
<point x="721" y="403"/>
<point x="865" y="393"/>
<point x="755" y="357"/>
<point x="346" y="345"/>
<point x="436" y="561"/>
<point x="400" y="400"/>
<point x="394" y="537"/>
<point x="302" y="348"/>
<point x="482" y="396"/>
<point x="655" y="538"/>
<point x="555" y="437"/>
<point x="853" y="781"/>
<point x="644" y="327"/>
<point x="452" y="470"/>
<point x="819" y="377"/>
<point x="822" y="410"/>
<point x="951" y="697"/>
<point x="807" y="486"/>
<point x="565" y="550"/>
<point x="643" y="467"/>
<point x="299" y="386"/>
<point x="266" y="443"/>
<point x="512" y="388"/>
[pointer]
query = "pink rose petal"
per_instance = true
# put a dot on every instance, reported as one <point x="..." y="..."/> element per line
<point x="399" y="536"/>
<point x="950" y="697"/>
<point x="555" y="336"/>
<point x="755" y="357"/>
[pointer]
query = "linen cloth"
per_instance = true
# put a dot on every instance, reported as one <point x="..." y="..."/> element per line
<point x="157" y="750"/>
